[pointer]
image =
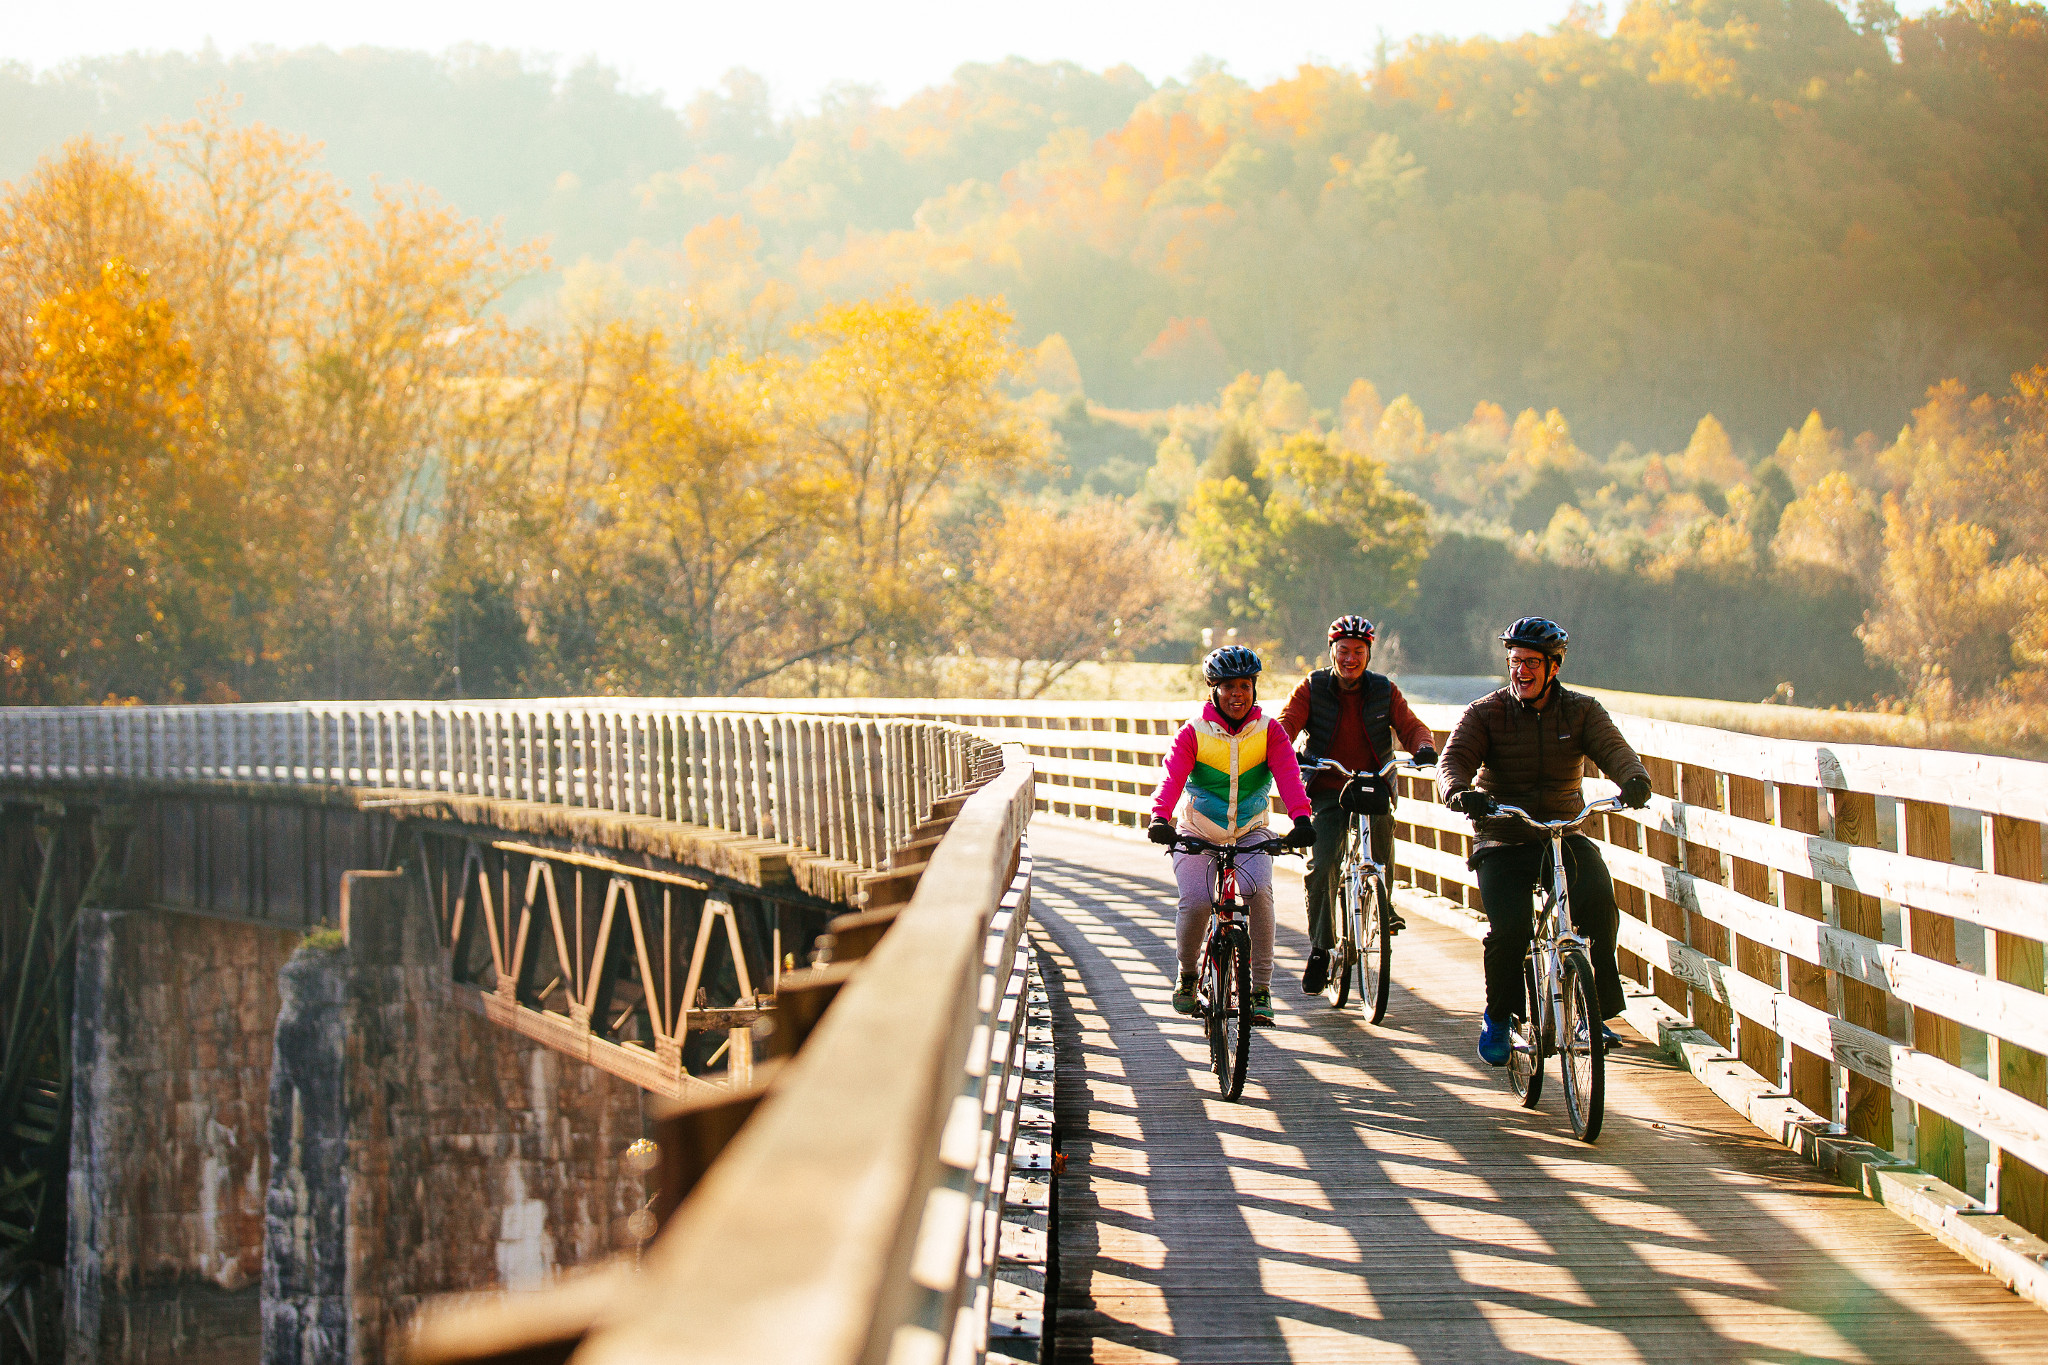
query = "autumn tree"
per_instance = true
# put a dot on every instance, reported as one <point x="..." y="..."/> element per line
<point x="901" y="401"/>
<point x="711" y="515"/>
<point x="105" y="523"/>
<point x="1065" y="587"/>
<point x="1318" y="530"/>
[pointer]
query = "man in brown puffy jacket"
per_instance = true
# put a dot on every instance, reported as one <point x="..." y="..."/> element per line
<point x="1526" y="745"/>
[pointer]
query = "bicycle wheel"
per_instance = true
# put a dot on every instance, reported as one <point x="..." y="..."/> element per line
<point x="1244" y="1022"/>
<point x="1375" y="951"/>
<point x="1211" y="1000"/>
<point x="1345" y="951"/>
<point x="1525" y="1040"/>
<point x="1581" y="1055"/>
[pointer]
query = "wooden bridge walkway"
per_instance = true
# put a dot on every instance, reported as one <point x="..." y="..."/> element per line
<point x="1379" y="1196"/>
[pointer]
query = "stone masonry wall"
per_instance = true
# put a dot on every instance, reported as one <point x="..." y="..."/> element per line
<point x="467" y="1157"/>
<point x="172" y="1024"/>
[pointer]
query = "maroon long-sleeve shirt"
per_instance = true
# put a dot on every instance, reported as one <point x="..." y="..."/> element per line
<point x="1349" y="745"/>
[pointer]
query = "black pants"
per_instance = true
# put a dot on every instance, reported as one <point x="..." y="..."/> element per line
<point x="1327" y="857"/>
<point x="1508" y="874"/>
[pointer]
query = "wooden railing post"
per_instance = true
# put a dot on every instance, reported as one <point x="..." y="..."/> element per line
<point x="1866" y="1105"/>
<point x="2012" y="848"/>
<point x="1807" y="1076"/>
<point x="1701" y="786"/>
<point x="1758" y="1046"/>
<point x="1665" y="916"/>
<point x="1924" y="832"/>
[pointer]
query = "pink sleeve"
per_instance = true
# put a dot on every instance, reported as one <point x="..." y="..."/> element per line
<point x="1180" y="761"/>
<point x="1286" y="770"/>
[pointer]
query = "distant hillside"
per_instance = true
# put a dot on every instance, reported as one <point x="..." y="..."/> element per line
<point x="1751" y="208"/>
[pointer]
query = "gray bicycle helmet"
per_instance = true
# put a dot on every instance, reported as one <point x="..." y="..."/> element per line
<point x="1534" y="632"/>
<point x="1231" y="661"/>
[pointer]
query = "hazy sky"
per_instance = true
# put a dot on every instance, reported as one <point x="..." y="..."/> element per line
<point x="800" y="45"/>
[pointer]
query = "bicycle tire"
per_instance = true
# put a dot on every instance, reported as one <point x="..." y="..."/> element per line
<point x="1345" y="950"/>
<point x="1525" y="1041"/>
<point x="1581" y="1053"/>
<point x="1214" y="991"/>
<point x="1376" y="955"/>
<point x="1238" y="1024"/>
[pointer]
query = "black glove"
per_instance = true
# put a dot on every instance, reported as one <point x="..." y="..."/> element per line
<point x="1426" y="755"/>
<point x="1161" y="831"/>
<point x="1635" y="793"/>
<point x="1303" y="835"/>
<point x="1473" y="803"/>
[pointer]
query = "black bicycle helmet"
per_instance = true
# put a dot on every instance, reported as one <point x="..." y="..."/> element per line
<point x="1353" y="627"/>
<point x="1534" y="632"/>
<point x="1231" y="661"/>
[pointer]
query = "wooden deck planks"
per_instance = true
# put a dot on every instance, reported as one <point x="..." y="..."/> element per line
<point x="1380" y="1196"/>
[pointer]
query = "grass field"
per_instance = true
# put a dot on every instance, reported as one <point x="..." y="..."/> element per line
<point x="1137" y="682"/>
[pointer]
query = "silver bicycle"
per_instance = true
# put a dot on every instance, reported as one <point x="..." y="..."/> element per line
<point x="1561" y="1013"/>
<point x="1363" y="952"/>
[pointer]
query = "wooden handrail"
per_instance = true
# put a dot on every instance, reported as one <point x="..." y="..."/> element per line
<point x="847" y="787"/>
<point x="836" y="1226"/>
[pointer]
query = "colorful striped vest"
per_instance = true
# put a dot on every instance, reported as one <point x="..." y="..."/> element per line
<point x="1230" y="791"/>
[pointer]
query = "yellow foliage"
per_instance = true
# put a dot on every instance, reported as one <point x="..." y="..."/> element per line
<point x="1063" y="587"/>
<point x="1544" y="442"/>
<point x="1951" y="612"/>
<point x="1833" y="526"/>
<point x="1709" y="458"/>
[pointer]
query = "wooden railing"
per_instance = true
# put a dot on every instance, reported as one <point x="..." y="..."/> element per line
<point x="846" y="788"/>
<point x="845" y="1207"/>
<point x="839" y="1199"/>
<point x="1863" y="925"/>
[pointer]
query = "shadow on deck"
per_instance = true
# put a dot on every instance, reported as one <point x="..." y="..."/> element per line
<point x="1379" y="1195"/>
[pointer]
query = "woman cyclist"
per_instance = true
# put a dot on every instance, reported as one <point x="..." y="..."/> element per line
<point x="1229" y="762"/>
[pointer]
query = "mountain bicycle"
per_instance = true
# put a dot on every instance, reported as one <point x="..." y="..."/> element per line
<point x="1223" y="984"/>
<point x="1363" y="951"/>
<point x="1561" y="1010"/>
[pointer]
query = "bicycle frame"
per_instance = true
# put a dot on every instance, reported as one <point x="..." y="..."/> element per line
<point x="1362" y="904"/>
<point x="1223" y="992"/>
<point x="1228" y="905"/>
<point x="1554" y="942"/>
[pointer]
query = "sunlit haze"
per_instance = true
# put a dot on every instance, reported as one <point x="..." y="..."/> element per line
<point x="899" y="45"/>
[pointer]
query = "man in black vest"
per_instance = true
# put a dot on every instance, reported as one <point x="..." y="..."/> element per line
<point x="1352" y="715"/>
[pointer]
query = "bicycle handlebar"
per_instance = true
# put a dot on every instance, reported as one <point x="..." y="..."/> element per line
<point x="1332" y="765"/>
<point x="1559" y="826"/>
<point x="1188" y="843"/>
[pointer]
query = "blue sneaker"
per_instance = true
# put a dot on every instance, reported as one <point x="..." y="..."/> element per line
<point x="1493" y="1040"/>
<point x="1610" y="1040"/>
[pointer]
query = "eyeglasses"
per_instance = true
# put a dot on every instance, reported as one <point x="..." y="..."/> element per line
<point x="1526" y="665"/>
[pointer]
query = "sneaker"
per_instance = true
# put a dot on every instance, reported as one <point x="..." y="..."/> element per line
<point x="1262" y="1006"/>
<point x="1316" y="975"/>
<point x="1184" y="994"/>
<point x="1395" y="924"/>
<point x="1610" y="1040"/>
<point x="1494" y="1045"/>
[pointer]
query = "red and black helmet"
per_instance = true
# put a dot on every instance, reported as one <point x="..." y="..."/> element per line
<point x="1352" y="627"/>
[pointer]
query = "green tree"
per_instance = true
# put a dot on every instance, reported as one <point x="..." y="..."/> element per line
<point x="1321" y="532"/>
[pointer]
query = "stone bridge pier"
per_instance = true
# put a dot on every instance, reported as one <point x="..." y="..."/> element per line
<point x="280" y="1136"/>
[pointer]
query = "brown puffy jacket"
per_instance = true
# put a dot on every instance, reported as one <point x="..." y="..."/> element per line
<point x="1532" y="759"/>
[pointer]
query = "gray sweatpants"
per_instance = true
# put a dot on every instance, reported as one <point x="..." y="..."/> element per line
<point x="1196" y="873"/>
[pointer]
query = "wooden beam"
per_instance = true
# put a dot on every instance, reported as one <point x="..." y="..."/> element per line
<point x="1924" y="832"/>
<point x="2013" y="849"/>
